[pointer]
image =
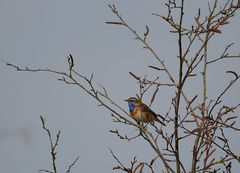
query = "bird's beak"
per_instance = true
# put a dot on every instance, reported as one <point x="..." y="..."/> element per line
<point x="126" y="100"/>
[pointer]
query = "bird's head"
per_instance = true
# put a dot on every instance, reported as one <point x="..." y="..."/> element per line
<point x="132" y="103"/>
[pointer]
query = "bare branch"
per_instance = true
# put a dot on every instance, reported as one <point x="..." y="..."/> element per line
<point x="72" y="164"/>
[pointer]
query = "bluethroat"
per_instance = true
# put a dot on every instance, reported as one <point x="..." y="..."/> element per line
<point x="141" y="112"/>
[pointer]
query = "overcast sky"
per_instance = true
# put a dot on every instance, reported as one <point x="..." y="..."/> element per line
<point x="41" y="33"/>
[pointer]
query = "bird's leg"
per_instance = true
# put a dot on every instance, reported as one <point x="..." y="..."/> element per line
<point x="141" y="126"/>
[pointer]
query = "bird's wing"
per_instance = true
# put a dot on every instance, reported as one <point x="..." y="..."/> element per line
<point x="152" y="116"/>
<point x="147" y="110"/>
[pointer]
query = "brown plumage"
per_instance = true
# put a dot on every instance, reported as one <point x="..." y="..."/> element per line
<point x="141" y="112"/>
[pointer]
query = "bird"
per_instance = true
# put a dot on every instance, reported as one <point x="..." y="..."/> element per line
<point x="141" y="112"/>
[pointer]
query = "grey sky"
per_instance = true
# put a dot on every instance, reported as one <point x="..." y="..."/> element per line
<point x="41" y="34"/>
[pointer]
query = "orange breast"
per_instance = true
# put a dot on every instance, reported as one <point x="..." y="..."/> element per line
<point x="135" y="112"/>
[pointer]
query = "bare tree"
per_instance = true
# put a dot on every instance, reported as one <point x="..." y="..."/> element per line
<point x="199" y="118"/>
<point x="53" y="150"/>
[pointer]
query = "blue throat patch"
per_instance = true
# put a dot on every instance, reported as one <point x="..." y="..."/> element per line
<point x="131" y="106"/>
